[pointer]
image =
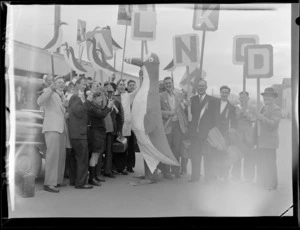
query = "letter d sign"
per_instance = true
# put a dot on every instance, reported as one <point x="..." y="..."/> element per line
<point x="258" y="61"/>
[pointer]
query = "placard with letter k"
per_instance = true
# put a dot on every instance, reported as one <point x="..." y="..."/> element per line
<point x="206" y="17"/>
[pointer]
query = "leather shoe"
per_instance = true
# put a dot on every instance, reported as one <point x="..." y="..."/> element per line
<point x="72" y="184"/>
<point x="168" y="176"/>
<point x="109" y="175"/>
<point x="130" y="170"/>
<point x="100" y="178"/>
<point x="86" y="186"/>
<point x="94" y="182"/>
<point x="123" y="172"/>
<point x="50" y="188"/>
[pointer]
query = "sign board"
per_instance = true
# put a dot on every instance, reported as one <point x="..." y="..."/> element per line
<point x="144" y="7"/>
<point x="239" y="44"/>
<point x="124" y="15"/>
<point x="81" y="31"/>
<point x="186" y="50"/>
<point x="104" y="40"/>
<point x="206" y="17"/>
<point x="258" y="61"/>
<point x="143" y="25"/>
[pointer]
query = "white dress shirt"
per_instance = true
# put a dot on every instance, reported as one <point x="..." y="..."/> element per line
<point x="223" y="105"/>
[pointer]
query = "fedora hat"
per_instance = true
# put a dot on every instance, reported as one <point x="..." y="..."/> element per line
<point x="270" y="91"/>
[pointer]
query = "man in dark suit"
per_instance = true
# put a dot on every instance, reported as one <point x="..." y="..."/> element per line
<point x="267" y="140"/>
<point x="78" y="120"/>
<point x="203" y="110"/>
<point x="226" y="121"/>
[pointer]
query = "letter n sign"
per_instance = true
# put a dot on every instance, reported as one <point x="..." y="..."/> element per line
<point x="186" y="50"/>
<point x="143" y="26"/>
<point x="258" y="61"/>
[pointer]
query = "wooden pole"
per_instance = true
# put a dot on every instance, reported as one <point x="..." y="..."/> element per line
<point x="189" y="92"/>
<point x="115" y="59"/>
<point x="142" y="50"/>
<point x="124" y="52"/>
<point x="258" y="95"/>
<point x="202" y="53"/>
<point x="52" y="65"/>
<point x="146" y="47"/>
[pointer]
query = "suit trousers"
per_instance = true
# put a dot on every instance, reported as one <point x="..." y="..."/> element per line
<point x="266" y="168"/>
<point x="130" y="163"/>
<point x="55" y="158"/>
<point x="108" y="155"/>
<point x="201" y="148"/>
<point x="79" y="162"/>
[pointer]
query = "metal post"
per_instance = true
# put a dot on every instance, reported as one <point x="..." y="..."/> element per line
<point x="189" y="92"/>
<point x="124" y="52"/>
<point x="202" y="53"/>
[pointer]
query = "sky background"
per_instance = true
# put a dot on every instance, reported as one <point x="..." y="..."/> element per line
<point x="34" y="25"/>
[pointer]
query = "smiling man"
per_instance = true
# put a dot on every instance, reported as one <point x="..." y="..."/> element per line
<point x="55" y="130"/>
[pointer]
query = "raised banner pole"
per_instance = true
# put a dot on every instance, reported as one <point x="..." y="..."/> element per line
<point x="142" y="50"/>
<point x="189" y="92"/>
<point x="115" y="59"/>
<point x="202" y="53"/>
<point x="258" y="95"/>
<point x="124" y="52"/>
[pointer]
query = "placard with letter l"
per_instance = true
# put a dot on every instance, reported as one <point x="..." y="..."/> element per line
<point x="258" y="61"/>
<point x="143" y="25"/>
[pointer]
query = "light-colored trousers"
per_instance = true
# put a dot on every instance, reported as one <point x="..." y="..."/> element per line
<point x="55" y="158"/>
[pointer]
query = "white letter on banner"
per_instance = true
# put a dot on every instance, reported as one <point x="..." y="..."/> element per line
<point x="204" y="16"/>
<point x="259" y="61"/>
<point x="191" y="51"/>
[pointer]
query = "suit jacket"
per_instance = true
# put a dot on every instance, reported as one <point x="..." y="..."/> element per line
<point x="54" y="117"/>
<point x="78" y="118"/>
<point x="200" y="127"/>
<point x="226" y="119"/>
<point x="267" y="128"/>
<point x="165" y="108"/>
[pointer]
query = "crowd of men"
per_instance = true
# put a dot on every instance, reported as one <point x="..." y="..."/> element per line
<point x="83" y="119"/>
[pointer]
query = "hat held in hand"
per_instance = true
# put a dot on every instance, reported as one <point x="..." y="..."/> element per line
<point x="270" y="91"/>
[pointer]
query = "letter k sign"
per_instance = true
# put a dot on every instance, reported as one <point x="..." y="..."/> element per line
<point x="206" y="17"/>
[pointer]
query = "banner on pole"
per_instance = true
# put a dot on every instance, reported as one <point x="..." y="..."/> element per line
<point x="239" y="44"/>
<point x="206" y="17"/>
<point x="81" y="31"/>
<point x="186" y="50"/>
<point x="258" y="61"/>
<point x="104" y="40"/>
<point x="143" y="26"/>
<point x="194" y="76"/>
<point x="144" y="7"/>
<point x="124" y="15"/>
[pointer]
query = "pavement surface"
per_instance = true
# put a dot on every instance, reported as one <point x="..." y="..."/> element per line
<point x="118" y="198"/>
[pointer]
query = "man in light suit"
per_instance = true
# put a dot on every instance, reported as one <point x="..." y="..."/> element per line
<point x="203" y="110"/>
<point x="174" y="120"/>
<point x="267" y="140"/>
<point x="55" y="130"/>
<point x="226" y="121"/>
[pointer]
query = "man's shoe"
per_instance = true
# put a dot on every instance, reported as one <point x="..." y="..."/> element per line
<point x="122" y="172"/>
<point x="109" y="175"/>
<point x="95" y="182"/>
<point x="72" y="183"/>
<point x="64" y="184"/>
<point x="50" y="188"/>
<point x="130" y="170"/>
<point x="100" y="178"/>
<point x="86" y="186"/>
<point x="168" y="176"/>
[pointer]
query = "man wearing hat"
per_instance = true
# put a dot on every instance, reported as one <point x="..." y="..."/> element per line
<point x="267" y="140"/>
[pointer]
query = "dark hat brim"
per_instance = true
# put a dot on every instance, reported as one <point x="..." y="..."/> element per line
<point x="273" y="94"/>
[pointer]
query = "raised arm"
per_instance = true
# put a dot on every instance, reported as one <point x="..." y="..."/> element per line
<point x="44" y="98"/>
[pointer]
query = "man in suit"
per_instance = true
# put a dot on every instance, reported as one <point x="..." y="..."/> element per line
<point x="55" y="129"/>
<point x="226" y="122"/>
<point x="245" y="120"/>
<point x="203" y="110"/>
<point x="174" y="120"/>
<point x="267" y="140"/>
<point x="78" y="120"/>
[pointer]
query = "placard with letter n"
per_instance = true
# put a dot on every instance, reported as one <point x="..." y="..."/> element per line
<point x="186" y="50"/>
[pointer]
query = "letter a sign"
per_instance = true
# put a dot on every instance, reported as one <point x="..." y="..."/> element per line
<point x="258" y="61"/>
<point x="143" y="25"/>
<point x="206" y="17"/>
<point x="186" y="50"/>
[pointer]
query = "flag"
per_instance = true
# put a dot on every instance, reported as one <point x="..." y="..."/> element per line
<point x="194" y="75"/>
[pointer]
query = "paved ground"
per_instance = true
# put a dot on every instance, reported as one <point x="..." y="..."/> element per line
<point x="117" y="198"/>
